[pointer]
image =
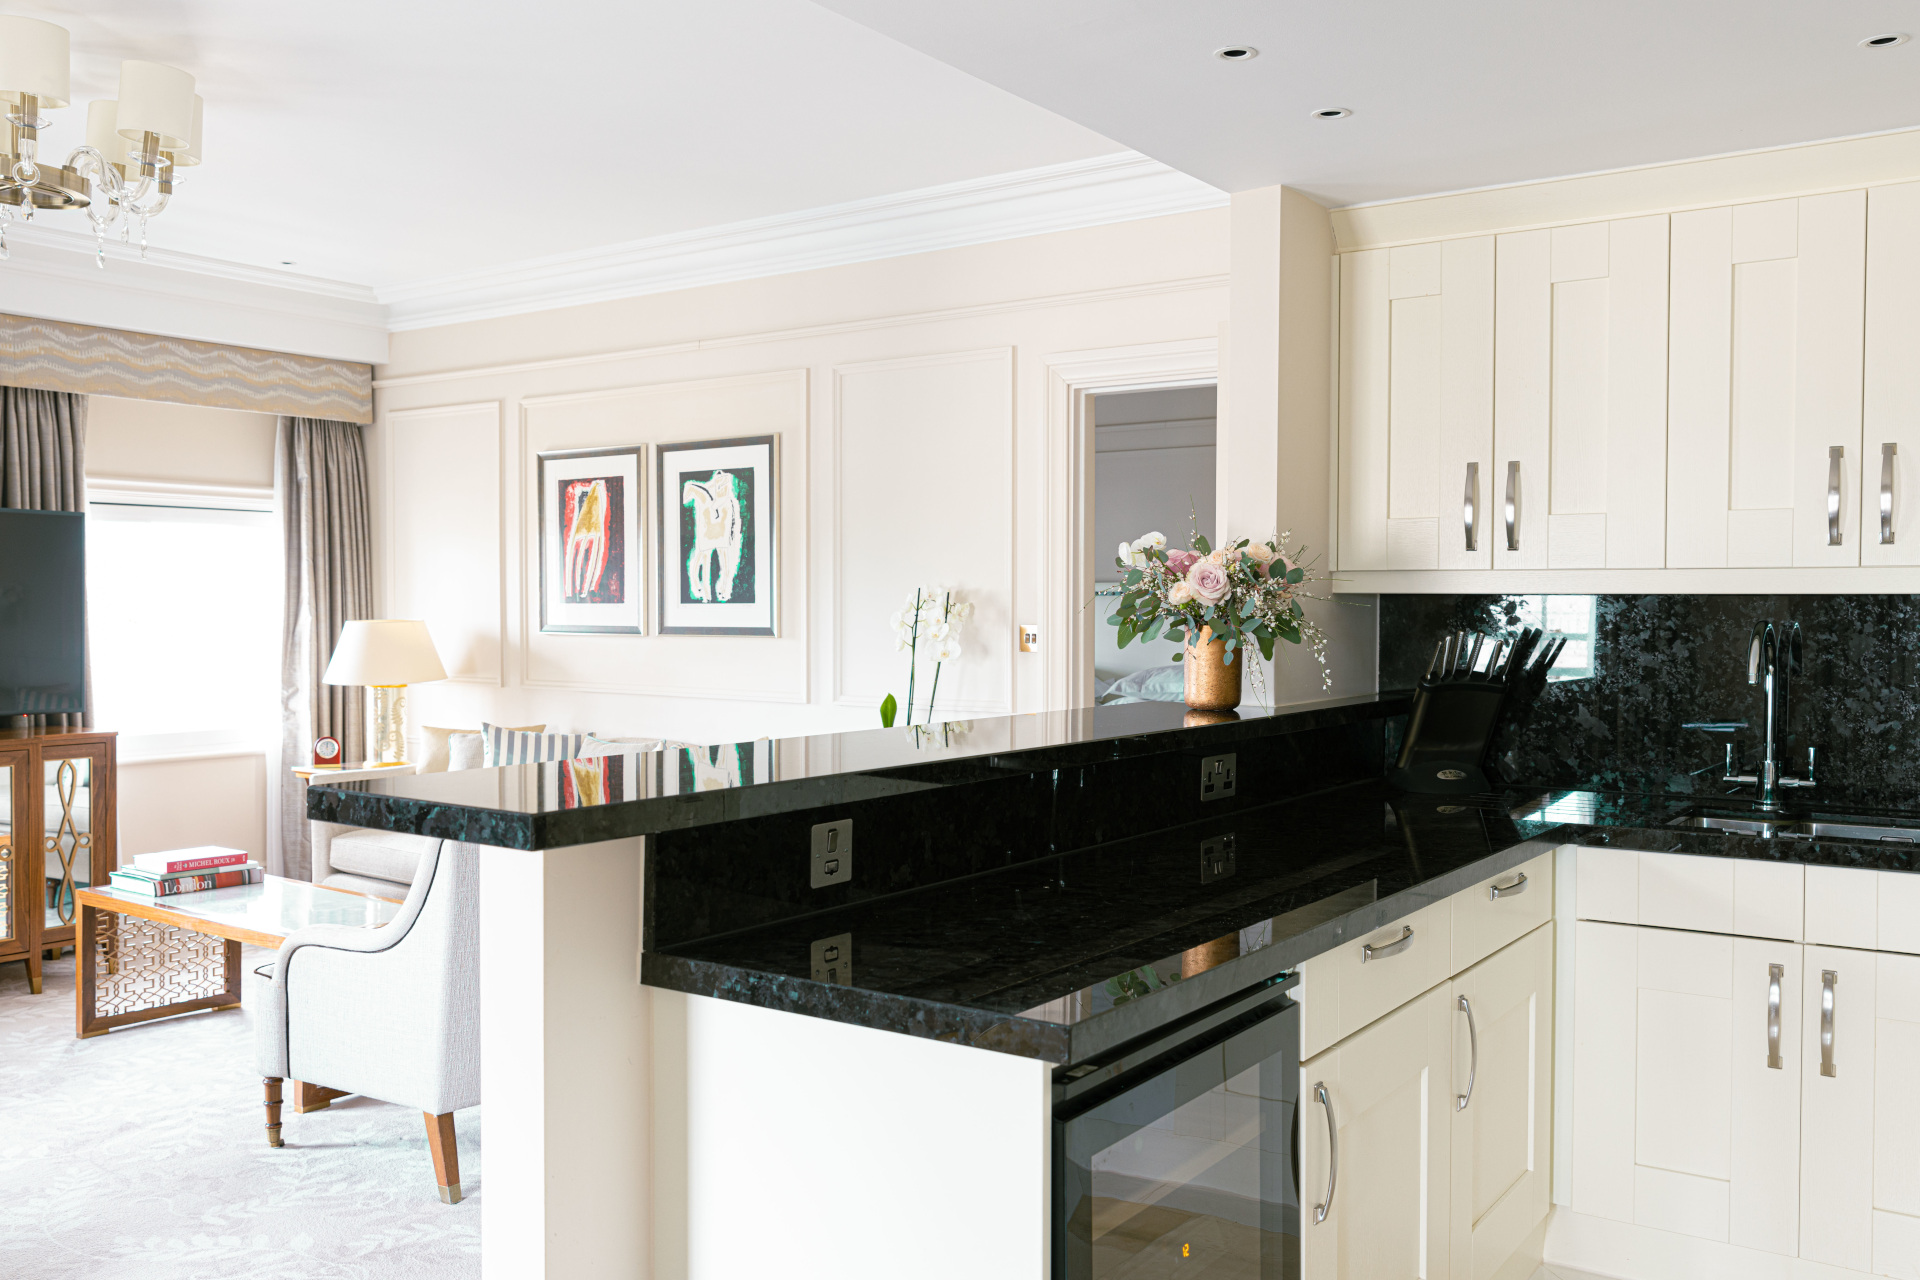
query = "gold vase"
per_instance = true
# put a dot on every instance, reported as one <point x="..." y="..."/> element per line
<point x="1213" y="684"/>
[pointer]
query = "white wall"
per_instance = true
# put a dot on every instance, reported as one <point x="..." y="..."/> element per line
<point x="177" y="803"/>
<point x="919" y="435"/>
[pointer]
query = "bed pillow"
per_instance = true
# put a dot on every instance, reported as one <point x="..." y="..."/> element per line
<point x="517" y="746"/>
<point x="1155" y="684"/>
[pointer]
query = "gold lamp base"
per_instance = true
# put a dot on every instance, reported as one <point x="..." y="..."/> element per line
<point x="388" y="743"/>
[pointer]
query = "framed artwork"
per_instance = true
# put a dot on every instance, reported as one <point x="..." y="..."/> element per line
<point x="716" y="533"/>
<point x="591" y="570"/>
<point x="684" y="770"/>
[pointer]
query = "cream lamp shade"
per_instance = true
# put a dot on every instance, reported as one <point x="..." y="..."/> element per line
<point x="156" y="99"/>
<point x="102" y="135"/>
<point x="387" y="652"/>
<point x="191" y="154"/>
<point x="34" y="59"/>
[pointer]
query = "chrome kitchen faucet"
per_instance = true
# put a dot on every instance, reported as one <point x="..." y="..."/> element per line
<point x="1773" y="659"/>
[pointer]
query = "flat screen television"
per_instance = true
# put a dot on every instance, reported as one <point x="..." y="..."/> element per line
<point x="43" y="611"/>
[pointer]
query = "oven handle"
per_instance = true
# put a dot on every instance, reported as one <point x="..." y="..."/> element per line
<point x="1321" y="1210"/>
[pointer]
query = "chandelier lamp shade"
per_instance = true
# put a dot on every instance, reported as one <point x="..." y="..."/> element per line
<point x="124" y="173"/>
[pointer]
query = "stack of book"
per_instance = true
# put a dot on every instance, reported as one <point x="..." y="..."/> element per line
<point x="162" y="875"/>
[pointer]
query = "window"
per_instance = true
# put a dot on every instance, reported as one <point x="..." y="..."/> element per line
<point x="1569" y="616"/>
<point x="183" y="614"/>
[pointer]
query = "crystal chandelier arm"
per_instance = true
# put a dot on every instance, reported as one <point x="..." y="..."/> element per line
<point x="94" y="167"/>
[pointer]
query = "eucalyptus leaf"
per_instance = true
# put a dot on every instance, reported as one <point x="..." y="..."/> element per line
<point x="1200" y="544"/>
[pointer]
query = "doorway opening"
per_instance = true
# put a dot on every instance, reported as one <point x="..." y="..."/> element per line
<point x="1153" y="472"/>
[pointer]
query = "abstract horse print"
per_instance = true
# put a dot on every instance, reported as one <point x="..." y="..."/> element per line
<point x="719" y="526"/>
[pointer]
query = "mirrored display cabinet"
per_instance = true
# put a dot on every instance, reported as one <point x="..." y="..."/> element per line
<point x="57" y="836"/>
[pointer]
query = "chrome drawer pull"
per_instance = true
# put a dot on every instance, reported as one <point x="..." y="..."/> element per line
<point x="1774" y="974"/>
<point x="1321" y="1210"/>
<point x="1513" y="506"/>
<point x="1500" y="891"/>
<point x="1834" y="454"/>
<point x="1470" y="506"/>
<point x="1473" y="1061"/>
<point x="1828" y="979"/>
<point x="1394" y="948"/>
<point x="1887" y="452"/>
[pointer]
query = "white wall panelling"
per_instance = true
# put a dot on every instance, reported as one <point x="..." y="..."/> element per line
<point x="1073" y="378"/>
<point x="730" y="667"/>
<point x="441" y="536"/>
<point x="923" y="494"/>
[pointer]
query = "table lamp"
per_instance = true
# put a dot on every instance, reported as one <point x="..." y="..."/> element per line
<point x="387" y="655"/>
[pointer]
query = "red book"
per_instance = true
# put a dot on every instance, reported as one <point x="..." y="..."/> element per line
<point x="192" y="882"/>
<point x="200" y="859"/>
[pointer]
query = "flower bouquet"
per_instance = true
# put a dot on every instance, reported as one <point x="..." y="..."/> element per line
<point x="1217" y="601"/>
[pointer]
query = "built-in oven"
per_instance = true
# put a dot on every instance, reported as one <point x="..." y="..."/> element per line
<point x="1177" y="1156"/>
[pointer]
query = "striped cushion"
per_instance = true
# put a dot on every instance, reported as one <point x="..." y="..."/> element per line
<point x="515" y="746"/>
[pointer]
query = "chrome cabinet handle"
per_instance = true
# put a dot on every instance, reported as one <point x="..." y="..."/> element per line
<point x="1513" y="506"/>
<point x="1499" y="891"/>
<point x="1473" y="1061"/>
<point x="1828" y="978"/>
<point x="1834" y="454"/>
<point x="1385" y="949"/>
<point x="1774" y="974"/>
<point x="1887" y="452"/>
<point x="1470" y="504"/>
<point x="1321" y="1210"/>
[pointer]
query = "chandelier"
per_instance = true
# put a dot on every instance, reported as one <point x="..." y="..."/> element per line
<point x="124" y="173"/>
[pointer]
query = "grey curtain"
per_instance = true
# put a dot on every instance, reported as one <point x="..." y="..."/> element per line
<point x="43" y="466"/>
<point x="320" y="479"/>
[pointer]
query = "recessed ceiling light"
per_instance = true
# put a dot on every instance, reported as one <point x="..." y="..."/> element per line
<point x="1333" y="113"/>
<point x="1886" y="41"/>
<point x="288" y="262"/>
<point x="1237" y="52"/>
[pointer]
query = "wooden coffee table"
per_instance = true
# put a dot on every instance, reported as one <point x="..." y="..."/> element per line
<point x="142" y="958"/>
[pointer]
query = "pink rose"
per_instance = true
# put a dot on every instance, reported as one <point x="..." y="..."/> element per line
<point x="1209" y="582"/>
<point x="1181" y="561"/>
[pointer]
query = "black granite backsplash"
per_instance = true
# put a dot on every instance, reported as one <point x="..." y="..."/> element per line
<point x="1659" y="661"/>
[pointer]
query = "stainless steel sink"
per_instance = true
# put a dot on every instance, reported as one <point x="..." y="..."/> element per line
<point x="1794" y="829"/>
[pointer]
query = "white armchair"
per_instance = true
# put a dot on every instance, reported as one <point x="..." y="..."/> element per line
<point x="390" y="1013"/>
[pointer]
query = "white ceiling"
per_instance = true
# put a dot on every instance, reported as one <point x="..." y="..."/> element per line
<point x="1445" y="96"/>
<point x="383" y="143"/>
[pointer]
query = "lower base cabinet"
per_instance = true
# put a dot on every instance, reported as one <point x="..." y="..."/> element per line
<point x="1399" y="1180"/>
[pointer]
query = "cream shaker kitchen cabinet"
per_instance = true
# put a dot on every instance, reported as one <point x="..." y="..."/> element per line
<point x="1764" y="446"/>
<point x="1375" y="1168"/>
<point x="1502" y="401"/>
<point x="1502" y="1105"/>
<point x="1860" y="1111"/>
<point x="1416" y="406"/>
<point x="1686" y="1076"/>
<point x="1890" y="444"/>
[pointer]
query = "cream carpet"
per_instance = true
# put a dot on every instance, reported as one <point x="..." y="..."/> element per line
<point x="141" y="1154"/>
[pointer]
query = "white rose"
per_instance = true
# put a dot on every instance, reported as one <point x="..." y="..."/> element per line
<point x="1259" y="553"/>
<point x="1217" y="556"/>
<point x="1180" y="593"/>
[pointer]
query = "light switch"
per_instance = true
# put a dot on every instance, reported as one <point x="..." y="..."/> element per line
<point x="1029" y="638"/>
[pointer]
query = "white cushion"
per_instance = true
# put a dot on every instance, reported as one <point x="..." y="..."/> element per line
<point x="384" y="855"/>
<point x="436" y="746"/>
<point x="466" y="751"/>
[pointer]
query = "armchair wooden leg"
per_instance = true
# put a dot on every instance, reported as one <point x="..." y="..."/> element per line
<point x="273" y="1110"/>
<point x="446" y="1155"/>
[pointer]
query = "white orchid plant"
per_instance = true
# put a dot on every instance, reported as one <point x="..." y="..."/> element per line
<point x="933" y="617"/>
<point x="1247" y="592"/>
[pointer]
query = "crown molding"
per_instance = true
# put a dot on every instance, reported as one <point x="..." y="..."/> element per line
<point x="1080" y="193"/>
<point x="52" y="274"/>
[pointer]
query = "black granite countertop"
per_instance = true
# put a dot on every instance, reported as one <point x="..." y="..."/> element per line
<point x="533" y="806"/>
<point x="1067" y="957"/>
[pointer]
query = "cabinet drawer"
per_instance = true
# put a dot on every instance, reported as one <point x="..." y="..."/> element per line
<point x="1872" y="910"/>
<point x="1685" y="891"/>
<point x="1344" y="989"/>
<point x="1483" y="923"/>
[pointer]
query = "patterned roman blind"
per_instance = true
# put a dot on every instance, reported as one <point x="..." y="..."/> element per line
<point x="54" y="356"/>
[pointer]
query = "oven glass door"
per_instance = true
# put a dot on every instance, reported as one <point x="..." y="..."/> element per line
<point x="1190" y="1170"/>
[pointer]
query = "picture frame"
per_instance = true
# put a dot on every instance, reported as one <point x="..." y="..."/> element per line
<point x="717" y="543"/>
<point x="592" y="563"/>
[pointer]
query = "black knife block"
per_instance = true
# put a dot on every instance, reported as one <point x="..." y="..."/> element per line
<point x="1447" y="735"/>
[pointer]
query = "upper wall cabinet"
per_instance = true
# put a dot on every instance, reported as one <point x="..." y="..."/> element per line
<point x="1889" y="525"/>
<point x="1503" y="401"/>
<point x="1763" y="446"/>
